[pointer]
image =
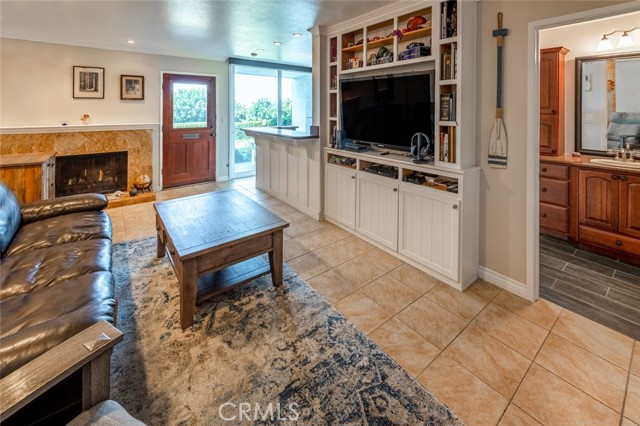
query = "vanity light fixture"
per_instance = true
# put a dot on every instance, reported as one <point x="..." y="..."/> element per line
<point x="625" y="40"/>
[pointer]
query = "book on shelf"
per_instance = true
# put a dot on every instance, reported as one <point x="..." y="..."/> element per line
<point x="447" y="144"/>
<point x="449" y="63"/>
<point x="445" y="66"/>
<point x="454" y="60"/>
<point x="448" y="106"/>
<point x="449" y="19"/>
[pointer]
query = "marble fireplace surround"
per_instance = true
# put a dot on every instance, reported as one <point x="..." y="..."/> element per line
<point x="140" y="141"/>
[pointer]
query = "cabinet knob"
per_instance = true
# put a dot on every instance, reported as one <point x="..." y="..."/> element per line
<point x="553" y="150"/>
<point x="353" y="177"/>
<point x="544" y="169"/>
<point x="623" y="177"/>
<point x="615" y="177"/>
<point x="618" y="243"/>
<point x="543" y="189"/>
<point x="395" y="189"/>
<point x="543" y="215"/>
<point x="455" y="206"/>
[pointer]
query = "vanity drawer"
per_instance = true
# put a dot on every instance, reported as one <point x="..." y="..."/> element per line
<point x="555" y="171"/>
<point x="554" y="192"/>
<point x="609" y="239"/>
<point x="554" y="218"/>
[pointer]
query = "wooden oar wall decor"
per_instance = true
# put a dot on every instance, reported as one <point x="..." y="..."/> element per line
<point x="498" y="140"/>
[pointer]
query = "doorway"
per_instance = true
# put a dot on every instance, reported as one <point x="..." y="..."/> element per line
<point x="188" y="129"/>
<point x="602" y="288"/>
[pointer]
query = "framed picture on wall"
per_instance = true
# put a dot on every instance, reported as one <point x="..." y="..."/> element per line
<point x="131" y="87"/>
<point x="88" y="82"/>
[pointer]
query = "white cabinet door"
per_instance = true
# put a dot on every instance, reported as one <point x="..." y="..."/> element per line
<point x="340" y="195"/>
<point x="377" y="212"/>
<point x="262" y="164"/>
<point x="430" y="228"/>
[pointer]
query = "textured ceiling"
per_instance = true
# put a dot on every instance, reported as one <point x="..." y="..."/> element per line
<point x="213" y="29"/>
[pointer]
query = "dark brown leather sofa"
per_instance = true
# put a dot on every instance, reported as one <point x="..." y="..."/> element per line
<point x="55" y="273"/>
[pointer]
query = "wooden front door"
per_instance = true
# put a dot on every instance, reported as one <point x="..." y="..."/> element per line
<point x="188" y="129"/>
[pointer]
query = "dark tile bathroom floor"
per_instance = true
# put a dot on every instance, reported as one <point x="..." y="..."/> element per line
<point x="598" y="287"/>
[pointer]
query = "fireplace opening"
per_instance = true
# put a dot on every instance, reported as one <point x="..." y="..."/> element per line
<point x="103" y="173"/>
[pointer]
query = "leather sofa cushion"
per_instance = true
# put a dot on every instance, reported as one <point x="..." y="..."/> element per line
<point x="9" y="217"/>
<point x="44" y="209"/>
<point x="33" y="269"/>
<point x="32" y="323"/>
<point x="58" y="230"/>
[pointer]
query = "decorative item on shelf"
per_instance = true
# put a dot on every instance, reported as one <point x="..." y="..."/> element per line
<point x="354" y="63"/>
<point x="133" y="191"/>
<point x="415" y="22"/>
<point x="415" y="50"/>
<point x="142" y="183"/>
<point x="398" y="33"/>
<point x="85" y="119"/>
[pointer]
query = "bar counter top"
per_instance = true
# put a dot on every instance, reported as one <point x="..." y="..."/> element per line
<point x="283" y="133"/>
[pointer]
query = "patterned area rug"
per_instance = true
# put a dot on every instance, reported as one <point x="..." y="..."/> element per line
<point x="256" y="355"/>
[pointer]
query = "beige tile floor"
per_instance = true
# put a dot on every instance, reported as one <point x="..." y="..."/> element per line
<point x="494" y="358"/>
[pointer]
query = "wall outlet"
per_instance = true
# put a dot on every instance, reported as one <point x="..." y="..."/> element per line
<point x="588" y="118"/>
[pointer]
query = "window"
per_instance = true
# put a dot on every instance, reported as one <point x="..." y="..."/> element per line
<point x="265" y="97"/>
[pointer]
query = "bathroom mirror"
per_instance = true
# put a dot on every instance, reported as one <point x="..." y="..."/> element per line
<point x="607" y="102"/>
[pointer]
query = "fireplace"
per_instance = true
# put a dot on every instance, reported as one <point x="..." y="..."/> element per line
<point x="103" y="173"/>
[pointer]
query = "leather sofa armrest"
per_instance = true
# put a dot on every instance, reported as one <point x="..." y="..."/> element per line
<point x="44" y="209"/>
<point x="36" y="377"/>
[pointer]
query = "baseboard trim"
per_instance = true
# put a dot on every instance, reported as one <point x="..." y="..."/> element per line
<point x="502" y="281"/>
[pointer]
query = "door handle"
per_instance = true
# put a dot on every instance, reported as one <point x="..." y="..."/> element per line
<point x="543" y="189"/>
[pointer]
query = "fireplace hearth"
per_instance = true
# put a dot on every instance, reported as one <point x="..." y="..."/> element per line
<point x="102" y="173"/>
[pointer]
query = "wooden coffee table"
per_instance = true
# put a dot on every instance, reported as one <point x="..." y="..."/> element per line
<point x="215" y="241"/>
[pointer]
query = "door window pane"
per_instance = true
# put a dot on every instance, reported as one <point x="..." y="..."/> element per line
<point x="189" y="105"/>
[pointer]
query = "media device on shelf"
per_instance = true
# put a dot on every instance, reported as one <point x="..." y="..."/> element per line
<point x="421" y="148"/>
<point x="386" y="111"/>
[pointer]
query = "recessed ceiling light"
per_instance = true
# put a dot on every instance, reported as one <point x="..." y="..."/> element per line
<point x="131" y="41"/>
<point x="277" y="43"/>
<point x="297" y="35"/>
<point x="259" y="50"/>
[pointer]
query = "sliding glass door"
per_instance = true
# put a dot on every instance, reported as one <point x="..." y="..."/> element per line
<point x="265" y="96"/>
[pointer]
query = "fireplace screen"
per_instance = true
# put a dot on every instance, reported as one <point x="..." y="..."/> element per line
<point x="79" y="174"/>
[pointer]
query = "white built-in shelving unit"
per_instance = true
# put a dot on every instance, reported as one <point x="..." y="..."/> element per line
<point x="425" y="214"/>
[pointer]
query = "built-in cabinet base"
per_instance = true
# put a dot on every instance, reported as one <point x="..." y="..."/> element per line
<point x="425" y="224"/>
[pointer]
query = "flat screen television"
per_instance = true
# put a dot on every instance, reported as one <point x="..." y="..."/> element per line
<point x="386" y="111"/>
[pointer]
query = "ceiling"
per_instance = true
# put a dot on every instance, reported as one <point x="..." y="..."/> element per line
<point x="213" y="29"/>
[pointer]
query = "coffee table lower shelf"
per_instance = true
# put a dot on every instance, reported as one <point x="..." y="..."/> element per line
<point x="215" y="283"/>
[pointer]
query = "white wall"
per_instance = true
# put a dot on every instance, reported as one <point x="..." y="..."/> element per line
<point x="582" y="40"/>
<point x="36" y="81"/>
<point x="503" y="192"/>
